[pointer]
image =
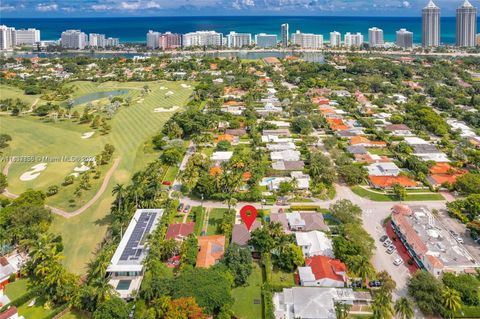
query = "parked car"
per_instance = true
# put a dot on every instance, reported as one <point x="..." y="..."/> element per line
<point x="357" y="284"/>
<point x="187" y="209"/>
<point x="180" y="207"/>
<point x="391" y="249"/>
<point x="398" y="261"/>
<point x="454" y="234"/>
<point x="383" y="238"/>
<point x="374" y="283"/>
<point x="459" y="239"/>
<point x="387" y="243"/>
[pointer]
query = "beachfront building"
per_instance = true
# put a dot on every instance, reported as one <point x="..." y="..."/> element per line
<point x="169" y="40"/>
<point x="307" y="40"/>
<point x="466" y="25"/>
<point x="353" y="40"/>
<point x="429" y="244"/>
<point x="7" y="37"/>
<point x="202" y="38"/>
<point x="153" y="39"/>
<point x="74" y="39"/>
<point x="238" y="40"/>
<point x="96" y="40"/>
<point x="27" y="36"/>
<point x="404" y="39"/>
<point x="284" y="32"/>
<point x="335" y="39"/>
<point x="477" y="39"/>
<point x="431" y="25"/>
<point x="264" y="40"/>
<point x="112" y="42"/>
<point x="126" y="269"/>
<point x="375" y="37"/>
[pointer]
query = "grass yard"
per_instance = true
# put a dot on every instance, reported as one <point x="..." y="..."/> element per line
<point x="16" y="289"/>
<point x="37" y="311"/>
<point x="282" y="279"/>
<point x="171" y="174"/>
<point x="73" y="314"/>
<point x="392" y="198"/>
<point x="197" y="215"/>
<point x="382" y="151"/>
<point x="132" y="126"/>
<point x="214" y="220"/>
<point x="244" y="306"/>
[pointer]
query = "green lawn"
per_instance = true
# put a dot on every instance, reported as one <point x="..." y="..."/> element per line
<point x="16" y="289"/>
<point x="73" y="314"/>
<point x="214" y="220"/>
<point x="171" y="174"/>
<point x="282" y="279"/>
<point x="391" y="198"/>
<point x="132" y="126"/>
<point x="380" y="151"/>
<point x="244" y="306"/>
<point x="10" y="92"/>
<point x="197" y="215"/>
<point x="35" y="312"/>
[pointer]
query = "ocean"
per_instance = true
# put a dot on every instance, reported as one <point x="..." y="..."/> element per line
<point x="133" y="29"/>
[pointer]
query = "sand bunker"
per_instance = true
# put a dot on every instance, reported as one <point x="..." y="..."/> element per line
<point x="33" y="173"/>
<point x="185" y="86"/>
<point x="169" y="93"/>
<point x="88" y="134"/>
<point x="82" y="168"/>
<point x="163" y="88"/>
<point x="163" y="110"/>
<point x="75" y="174"/>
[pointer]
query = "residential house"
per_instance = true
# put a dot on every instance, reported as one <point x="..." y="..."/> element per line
<point x="398" y="129"/>
<point x="322" y="271"/>
<point x="241" y="235"/>
<point x="306" y="221"/>
<point x="371" y="158"/>
<point x="236" y="132"/>
<point x="221" y="156"/>
<point x="314" y="243"/>
<point x="357" y="149"/>
<point x="383" y="169"/>
<point x="277" y="132"/>
<point x="11" y="264"/>
<point x="212" y="249"/>
<point x="179" y="231"/>
<point x="363" y="141"/>
<point x="11" y="313"/>
<point x="387" y="182"/>
<point x="310" y="302"/>
<point x="126" y="268"/>
<point x="302" y="179"/>
<point x="429" y="152"/>
<point x="442" y="173"/>
<point x="276" y="147"/>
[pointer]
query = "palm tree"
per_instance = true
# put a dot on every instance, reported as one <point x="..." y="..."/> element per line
<point x="362" y="268"/>
<point x="382" y="306"/>
<point x="451" y="301"/>
<point x="404" y="308"/>
<point x="342" y="310"/>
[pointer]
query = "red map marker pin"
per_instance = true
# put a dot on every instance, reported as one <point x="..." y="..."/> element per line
<point x="248" y="214"/>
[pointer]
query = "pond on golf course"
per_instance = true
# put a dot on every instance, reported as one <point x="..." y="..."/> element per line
<point x="98" y="95"/>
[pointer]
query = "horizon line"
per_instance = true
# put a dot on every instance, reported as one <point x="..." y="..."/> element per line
<point x="220" y="16"/>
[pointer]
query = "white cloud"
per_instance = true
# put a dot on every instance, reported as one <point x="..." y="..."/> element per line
<point x="7" y="8"/>
<point x="43" y="7"/>
<point x="130" y="5"/>
<point x="406" y="4"/>
<point x="152" y="5"/>
<point x="100" y="7"/>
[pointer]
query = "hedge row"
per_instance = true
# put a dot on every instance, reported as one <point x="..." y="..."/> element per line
<point x="305" y="208"/>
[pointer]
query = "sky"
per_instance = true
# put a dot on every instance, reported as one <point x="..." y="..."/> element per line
<point x="119" y="8"/>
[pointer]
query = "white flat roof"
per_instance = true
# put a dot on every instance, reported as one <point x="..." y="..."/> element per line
<point x="132" y="250"/>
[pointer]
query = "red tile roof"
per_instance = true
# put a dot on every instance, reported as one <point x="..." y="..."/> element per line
<point x="389" y="181"/>
<point x="9" y="313"/>
<point x="180" y="230"/>
<point x="355" y="140"/>
<point x="211" y="250"/>
<point x="399" y="216"/>
<point x="326" y="267"/>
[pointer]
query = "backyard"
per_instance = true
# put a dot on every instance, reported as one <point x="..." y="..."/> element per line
<point x="247" y="304"/>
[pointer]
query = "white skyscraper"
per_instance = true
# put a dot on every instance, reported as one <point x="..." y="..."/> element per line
<point x="264" y="40"/>
<point x="431" y="25"/>
<point x="335" y="39"/>
<point x="96" y="40"/>
<point x="353" y="40"/>
<point x="307" y="40"/>
<point x="238" y="40"/>
<point x="285" y="35"/>
<point x="202" y="38"/>
<point x="375" y="37"/>
<point x="74" y="39"/>
<point x="27" y="36"/>
<point x="153" y="39"/>
<point x="466" y="25"/>
<point x="112" y="42"/>
<point x="7" y="37"/>
<point x="404" y="39"/>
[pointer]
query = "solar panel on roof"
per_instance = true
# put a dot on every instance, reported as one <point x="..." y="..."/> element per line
<point x="144" y="224"/>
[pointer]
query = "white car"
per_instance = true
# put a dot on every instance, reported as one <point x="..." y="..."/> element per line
<point x="459" y="239"/>
<point x="398" y="262"/>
